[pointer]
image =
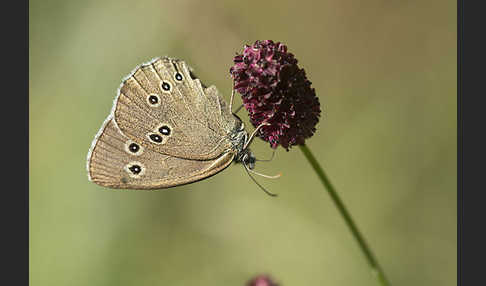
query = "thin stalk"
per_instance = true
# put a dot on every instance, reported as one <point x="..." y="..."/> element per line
<point x="375" y="267"/>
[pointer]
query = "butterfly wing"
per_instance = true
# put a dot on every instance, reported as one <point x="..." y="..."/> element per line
<point x="116" y="161"/>
<point x="165" y="93"/>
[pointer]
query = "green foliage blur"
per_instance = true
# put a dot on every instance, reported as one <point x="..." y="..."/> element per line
<point x="385" y="73"/>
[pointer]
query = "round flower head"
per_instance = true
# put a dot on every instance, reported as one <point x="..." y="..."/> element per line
<point x="277" y="92"/>
<point x="261" y="280"/>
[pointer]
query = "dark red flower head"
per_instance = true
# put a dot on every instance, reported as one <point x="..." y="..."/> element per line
<point x="276" y="91"/>
<point x="261" y="280"/>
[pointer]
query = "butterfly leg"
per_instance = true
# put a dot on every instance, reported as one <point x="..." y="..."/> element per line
<point x="253" y="134"/>
<point x="258" y="184"/>
<point x="267" y="160"/>
<point x="238" y="109"/>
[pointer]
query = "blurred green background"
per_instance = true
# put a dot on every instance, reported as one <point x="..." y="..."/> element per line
<point x="385" y="73"/>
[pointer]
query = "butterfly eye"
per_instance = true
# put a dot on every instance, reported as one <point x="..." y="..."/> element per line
<point x="164" y="130"/>
<point x="178" y="77"/>
<point x="165" y="86"/>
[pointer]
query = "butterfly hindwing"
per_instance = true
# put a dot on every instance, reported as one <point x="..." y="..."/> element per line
<point x="116" y="161"/>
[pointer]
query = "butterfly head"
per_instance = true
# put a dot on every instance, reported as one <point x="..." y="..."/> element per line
<point x="247" y="158"/>
<point x="240" y="138"/>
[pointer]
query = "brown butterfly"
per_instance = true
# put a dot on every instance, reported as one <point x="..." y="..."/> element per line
<point x="167" y="129"/>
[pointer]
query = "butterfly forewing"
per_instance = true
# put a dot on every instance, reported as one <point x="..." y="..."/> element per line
<point x="163" y="94"/>
<point x="218" y="106"/>
<point x="191" y="90"/>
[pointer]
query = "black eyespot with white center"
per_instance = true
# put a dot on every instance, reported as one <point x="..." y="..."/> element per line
<point x="165" y="86"/>
<point x="155" y="138"/>
<point x="178" y="77"/>
<point x="133" y="147"/>
<point x="135" y="169"/>
<point x="164" y="130"/>
<point x="153" y="99"/>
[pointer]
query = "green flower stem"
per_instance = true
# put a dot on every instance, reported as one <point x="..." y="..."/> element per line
<point x="375" y="267"/>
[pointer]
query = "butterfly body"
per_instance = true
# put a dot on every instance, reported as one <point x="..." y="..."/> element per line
<point x="166" y="129"/>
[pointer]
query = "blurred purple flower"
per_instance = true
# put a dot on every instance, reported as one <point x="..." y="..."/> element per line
<point x="277" y="92"/>
<point x="261" y="280"/>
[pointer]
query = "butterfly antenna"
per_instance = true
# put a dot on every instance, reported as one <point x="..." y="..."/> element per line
<point x="254" y="133"/>
<point x="232" y="97"/>
<point x="267" y="160"/>
<point x="261" y="187"/>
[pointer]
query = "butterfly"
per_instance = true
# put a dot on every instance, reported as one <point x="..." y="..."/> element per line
<point x="166" y="129"/>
